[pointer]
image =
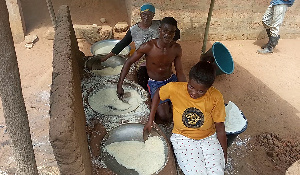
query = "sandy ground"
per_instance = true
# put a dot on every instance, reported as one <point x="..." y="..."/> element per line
<point x="265" y="87"/>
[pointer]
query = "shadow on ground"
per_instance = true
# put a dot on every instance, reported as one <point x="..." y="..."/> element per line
<point x="266" y="112"/>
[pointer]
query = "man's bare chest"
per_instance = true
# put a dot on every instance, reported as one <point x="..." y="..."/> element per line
<point x="159" y="59"/>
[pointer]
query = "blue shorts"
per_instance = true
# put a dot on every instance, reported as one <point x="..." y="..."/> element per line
<point x="154" y="85"/>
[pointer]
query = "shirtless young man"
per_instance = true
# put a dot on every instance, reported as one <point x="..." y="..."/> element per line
<point x="141" y="32"/>
<point x="160" y="54"/>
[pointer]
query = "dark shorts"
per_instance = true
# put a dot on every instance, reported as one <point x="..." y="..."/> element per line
<point x="154" y="85"/>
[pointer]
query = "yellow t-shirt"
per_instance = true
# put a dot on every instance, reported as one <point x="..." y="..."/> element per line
<point x="194" y="118"/>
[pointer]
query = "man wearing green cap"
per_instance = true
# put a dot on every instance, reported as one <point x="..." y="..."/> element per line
<point x="143" y="31"/>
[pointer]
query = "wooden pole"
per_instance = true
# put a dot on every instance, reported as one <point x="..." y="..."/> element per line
<point x="207" y="26"/>
<point x="15" y="114"/>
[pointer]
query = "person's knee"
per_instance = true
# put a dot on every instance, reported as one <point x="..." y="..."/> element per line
<point x="142" y="77"/>
<point x="163" y="114"/>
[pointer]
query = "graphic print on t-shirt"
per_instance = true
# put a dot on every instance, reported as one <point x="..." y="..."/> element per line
<point x="192" y="118"/>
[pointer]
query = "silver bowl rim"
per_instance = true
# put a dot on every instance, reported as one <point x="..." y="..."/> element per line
<point x="95" y="56"/>
<point x="154" y="129"/>
<point x="108" y="40"/>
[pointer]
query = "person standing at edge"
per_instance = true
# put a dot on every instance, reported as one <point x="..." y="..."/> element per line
<point x="141" y="32"/>
<point x="272" y="20"/>
<point x="160" y="56"/>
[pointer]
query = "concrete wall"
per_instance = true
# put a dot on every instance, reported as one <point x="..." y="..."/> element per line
<point x="67" y="120"/>
<point x="235" y="19"/>
<point x="16" y="20"/>
<point x="231" y="20"/>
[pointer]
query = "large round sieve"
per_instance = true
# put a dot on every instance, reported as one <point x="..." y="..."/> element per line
<point x="93" y="85"/>
<point x="127" y="132"/>
<point x="107" y="102"/>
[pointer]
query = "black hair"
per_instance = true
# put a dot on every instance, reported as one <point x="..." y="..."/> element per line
<point x="177" y="35"/>
<point x="169" y="20"/>
<point x="173" y="22"/>
<point x="203" y="73"/>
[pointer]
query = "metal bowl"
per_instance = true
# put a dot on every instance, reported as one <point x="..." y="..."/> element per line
<point x="110" y="44"/>
<point x="94" y="63"/>
<point x="127" y="132"/>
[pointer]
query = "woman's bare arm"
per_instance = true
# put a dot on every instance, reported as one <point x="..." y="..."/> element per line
<point x="221" y="134"/>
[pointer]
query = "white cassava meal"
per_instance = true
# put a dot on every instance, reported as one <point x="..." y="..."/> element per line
<point x="234" y="120"/>
<point x="106" y="102"/>
<point x="145" y="158"/>
<point x="107" y="49"/>
<point x="108" y="71"/>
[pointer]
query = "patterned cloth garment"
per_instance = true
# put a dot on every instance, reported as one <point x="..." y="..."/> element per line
<point x="140" y="36"/>
<point x="199" y="157"/>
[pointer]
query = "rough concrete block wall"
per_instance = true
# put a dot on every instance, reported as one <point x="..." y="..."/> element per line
<point x="16" y="20"/>
<point x="67" y="120"/>
<point x="231" y="20"/>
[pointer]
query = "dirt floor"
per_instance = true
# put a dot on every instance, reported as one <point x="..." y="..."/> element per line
<point x="264" y="87"/>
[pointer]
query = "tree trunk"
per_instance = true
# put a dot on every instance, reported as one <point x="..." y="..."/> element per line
<point x="14" y="110"/>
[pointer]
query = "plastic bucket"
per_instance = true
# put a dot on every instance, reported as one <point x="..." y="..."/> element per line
<point x="220" y="56"/>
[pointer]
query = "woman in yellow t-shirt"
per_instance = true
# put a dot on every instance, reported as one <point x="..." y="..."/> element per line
<point x="198" y="137"/>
